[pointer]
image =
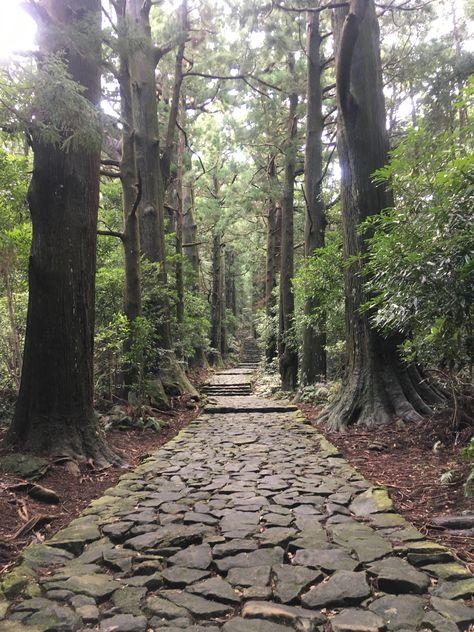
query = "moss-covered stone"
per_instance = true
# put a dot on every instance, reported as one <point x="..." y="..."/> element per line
<point x="327" y="447"/>
<point x="374" y="500"/>
<point x="16" y="581"/>
<point x="42" y="555"/>
<point x="156" y="393"/>
<point x="448" y="571"/>
<point x="23" y="465"/>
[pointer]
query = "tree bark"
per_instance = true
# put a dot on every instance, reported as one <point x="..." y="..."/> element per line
<point x="288" y="356"/>
<point x="153" y="173"/>
<point x="223" y="304"/>
<point x="313" y="361"/>
<point x="377" y="384"/>
<point x="180" y="186"/>
<point x="54" y="412"/>
<point x="131" y="194"/>
<point x="216" y="301"/>
<point x="272" y="261"/>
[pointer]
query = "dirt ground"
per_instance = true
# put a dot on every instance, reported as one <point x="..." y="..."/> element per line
<point x="404" y="459"/>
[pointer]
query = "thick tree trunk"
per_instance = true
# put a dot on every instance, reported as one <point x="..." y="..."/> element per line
<point x="288" y="356"/>
<point x="54" y="412"/>
<point x="132" y="373"/>
<point x="313" y="361"/>
<point x="272" y="261"/>
<point x="153" y="174"/>
<point x="377" y="384"/>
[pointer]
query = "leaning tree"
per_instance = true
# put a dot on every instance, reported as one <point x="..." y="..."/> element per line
<point x="377" y="384"/>
<point x="54" y="411"/>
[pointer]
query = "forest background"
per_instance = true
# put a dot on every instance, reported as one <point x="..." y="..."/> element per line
<point x="229" y="98"/>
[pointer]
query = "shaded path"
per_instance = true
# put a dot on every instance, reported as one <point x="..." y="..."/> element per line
<point x="246" y="522"/>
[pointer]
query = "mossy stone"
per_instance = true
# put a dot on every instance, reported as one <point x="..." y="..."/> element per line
<point x="15" y="582"/>
<point x="23" y="465"/>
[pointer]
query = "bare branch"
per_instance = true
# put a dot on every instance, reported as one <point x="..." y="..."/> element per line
<point x="111" y="233"/>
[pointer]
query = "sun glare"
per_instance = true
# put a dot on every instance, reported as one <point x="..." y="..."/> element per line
<point x="17" y="28"/>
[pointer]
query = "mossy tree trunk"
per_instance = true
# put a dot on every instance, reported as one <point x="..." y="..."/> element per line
<point x="54" y="412"/>
<point x="377" y="384"/>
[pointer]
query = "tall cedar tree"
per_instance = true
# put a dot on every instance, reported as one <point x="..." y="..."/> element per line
<point x="288" y="356"/>
<point x="54" y="412"/>
<point x="313" y="357"/>
<point x="153" y="169"/>
<point x="377" y="384"/>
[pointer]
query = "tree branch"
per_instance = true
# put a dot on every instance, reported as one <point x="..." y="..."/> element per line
<point x="111" y="233"/>
<point x="110" y="174"/>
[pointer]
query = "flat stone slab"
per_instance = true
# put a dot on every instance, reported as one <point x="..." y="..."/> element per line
<point x="247" y="521"/>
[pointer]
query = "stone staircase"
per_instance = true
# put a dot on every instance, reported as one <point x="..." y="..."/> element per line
<point x="250" y="354"/>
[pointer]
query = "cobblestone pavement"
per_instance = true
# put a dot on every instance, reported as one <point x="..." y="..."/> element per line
<point x="246" y="522"/>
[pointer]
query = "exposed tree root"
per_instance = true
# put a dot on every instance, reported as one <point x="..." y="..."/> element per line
<point x="78" y="439"/>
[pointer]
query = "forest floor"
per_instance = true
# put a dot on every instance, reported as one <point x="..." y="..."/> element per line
<point x="401" y="458"/>
<point x="76" y="492"/>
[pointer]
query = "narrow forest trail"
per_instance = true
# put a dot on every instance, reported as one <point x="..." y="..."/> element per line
<point x="248" y="521"/>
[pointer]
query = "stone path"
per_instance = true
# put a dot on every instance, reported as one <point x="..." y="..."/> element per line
<point x="246" y="522"/>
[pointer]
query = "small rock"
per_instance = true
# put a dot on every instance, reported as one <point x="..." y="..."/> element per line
<point x="326" y="559"/>
<point x="254" y="576"/>
<point x="41" y="555"/>
<point x="454" y="610"/>
<point x="196" y="605"/>
<point x="233" y="547"/>
<point x="292" y="580"/>
<point x="406" y="611"/>
<point x="216" y="588"/>
<point x="344" y="588"/>
<point x="374" y="500"/>
<point x="438" y="623"/>
<point x="124" y="623"/>
<point x="281" y="614"/>
<point x="89" y="614"/>
<point x="355" y="620"/>
<point x="128" y="599"/>
<point x="261" y="557"/>
<point x="397" y="576"/>
<point x="462" y="589"/>
<point x="164" y="609"/>
<point x="55" y="618"/>
<point x="448" y="571"/>
<point x="194" y="556"/>
<point x="100" y="587"/>
<point x="237" y="624"/>
<point x="179" y="577"/>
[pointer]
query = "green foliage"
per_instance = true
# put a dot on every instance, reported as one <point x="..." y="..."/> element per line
<point x="193" y="333"/>
<point x="46" y="102"/>
<point x="420" y="256"/>
<point x="467" y="452"/>
<point x="320" y="278"/>
<point x="15" y="240"/>
<point x="108" y="354"/>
